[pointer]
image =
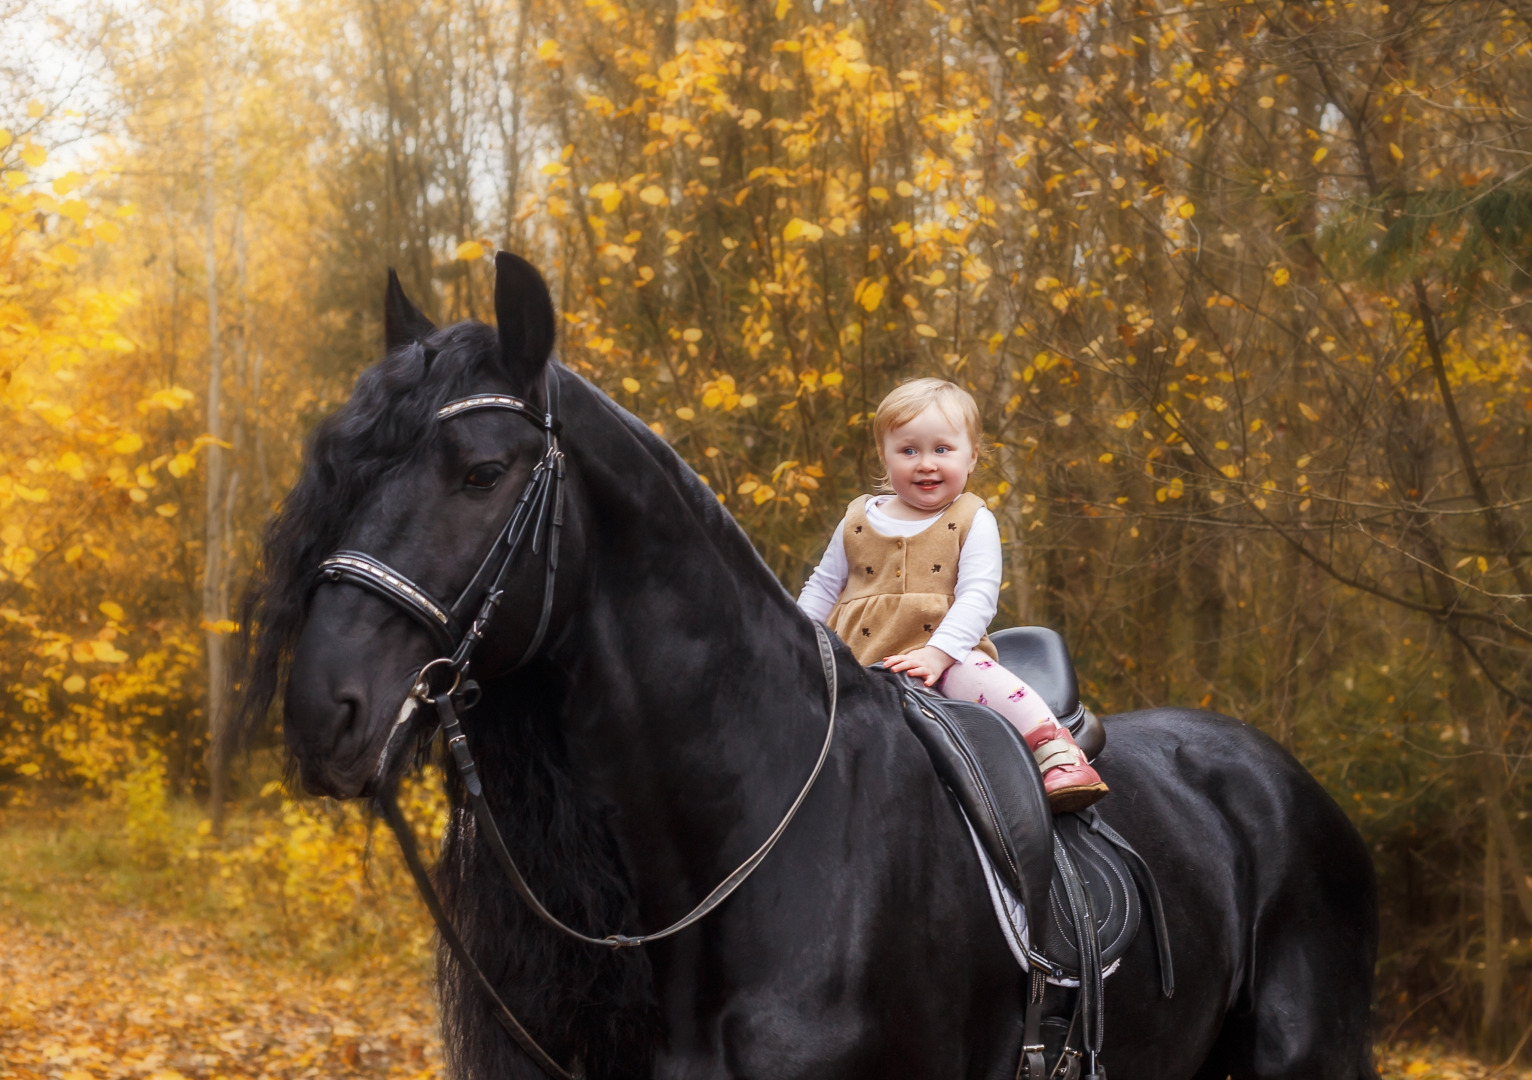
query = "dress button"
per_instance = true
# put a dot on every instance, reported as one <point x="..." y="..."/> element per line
<point x="898" y="573"/>
<point x="898" y="543"/>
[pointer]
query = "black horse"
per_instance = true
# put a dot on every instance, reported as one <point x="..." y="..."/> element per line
<point x="671" y="715"/>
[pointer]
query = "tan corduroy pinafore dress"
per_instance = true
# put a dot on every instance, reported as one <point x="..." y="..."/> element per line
<point x="898" y="589"/>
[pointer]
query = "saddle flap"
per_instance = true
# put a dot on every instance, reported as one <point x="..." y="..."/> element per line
<point x="984" y="763"/>
<point x="1112" y="892"/>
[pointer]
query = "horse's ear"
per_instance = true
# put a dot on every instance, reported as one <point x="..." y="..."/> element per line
<point x="524" y="312"/>
<point x="403" y="322"/>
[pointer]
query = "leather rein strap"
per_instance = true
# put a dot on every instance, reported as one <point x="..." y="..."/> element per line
<point x="538" y="514"/>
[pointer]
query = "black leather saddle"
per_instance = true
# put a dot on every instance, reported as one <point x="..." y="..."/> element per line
<point x="1082" y="885"/>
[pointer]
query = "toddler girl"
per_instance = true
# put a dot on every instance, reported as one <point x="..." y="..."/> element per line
<point x="912" y="578"/>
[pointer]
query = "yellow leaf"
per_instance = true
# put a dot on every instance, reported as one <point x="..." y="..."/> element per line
<point x="181" y="464"/>
<point x="111" y="610"/>
<point x="1231" y="471"/>
<point x="34" y="109"/>
<point x="609" y="194"/>
<point x="107" y="653"/>
<point x="73" y="552"/>
<point x="1047" y="7"/>
<point x="221" y="626"/>
<point x="1319" y="155"/>
<point x="1308" y="413"/>
<point x="167" y="510"/>
<point x="686" y="412"/>
<point x="1063" y="419"/>
<point x="878" y="193"/>
<point x="762" y="493"/>
<point x="1127" y="419"/>
<point x="1279" y="276"/>
<point x="74" y="684"/>
<point x="34" y="155"/>
<point x="746" y="401"/>
<point x="691" y="333"/>
<point x="14" y="179"/>
<point x="1416" y="1068"/>
<point x="630" y="384"/>
<point x="798" y="227"/>
<point x="904" y="188"/>
<point x="108" y="232"/>
<point x="1105" y="459"/>
<point x="871" y="295"/>
<point x="925" y="330"/>
<point x="67" y="183"/>
<point x="1267" y="101"/>
<point x="654" y="195"/>
<point x="783" y="7"/>
<point x="832" y="378"/>
<point x="127" y="443"/>
<point x="746" y="487"/>
<point x="1186" y="209"/>
<point x="1483" y="564"/>
<point x="469" y="250"/>
<point x="548" y="51"/>
<point x="1214" y="402"/>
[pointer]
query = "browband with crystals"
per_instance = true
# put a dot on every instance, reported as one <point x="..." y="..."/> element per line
<point x="497" y="401"/>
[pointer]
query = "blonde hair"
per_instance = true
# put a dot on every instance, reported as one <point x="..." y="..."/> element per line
<point x="909" y="400"/>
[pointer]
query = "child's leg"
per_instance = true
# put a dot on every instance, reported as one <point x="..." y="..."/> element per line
<point x="976" y="677"/>
<point x="1069" y="780"/>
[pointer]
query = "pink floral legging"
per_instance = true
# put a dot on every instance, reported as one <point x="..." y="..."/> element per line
<point x="978" y="678"/>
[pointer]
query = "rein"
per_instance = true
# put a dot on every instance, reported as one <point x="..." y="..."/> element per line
<point x="538" y="514"/>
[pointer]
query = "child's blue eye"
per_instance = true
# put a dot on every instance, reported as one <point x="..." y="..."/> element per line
<point x="907" y="451"/>
<point x="941" y="449"/>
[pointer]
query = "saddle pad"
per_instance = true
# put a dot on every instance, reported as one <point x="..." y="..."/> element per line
<point x="1114" y="899"/>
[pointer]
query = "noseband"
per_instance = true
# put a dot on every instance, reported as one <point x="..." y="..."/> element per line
<point x="538" y="514"/>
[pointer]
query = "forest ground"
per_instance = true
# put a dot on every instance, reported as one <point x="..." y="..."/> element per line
<point x="106" y="973"/>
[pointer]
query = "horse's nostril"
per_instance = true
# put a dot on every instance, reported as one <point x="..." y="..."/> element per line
<point x="348" y="710"/>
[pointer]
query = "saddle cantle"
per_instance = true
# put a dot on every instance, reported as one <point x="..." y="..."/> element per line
<point x="1039" y="656"/>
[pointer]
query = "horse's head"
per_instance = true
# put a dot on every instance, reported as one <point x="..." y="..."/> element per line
<point x="385" y="549"/>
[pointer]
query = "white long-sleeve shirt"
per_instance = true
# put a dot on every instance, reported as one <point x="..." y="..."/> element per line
<point x="978" y="576"/>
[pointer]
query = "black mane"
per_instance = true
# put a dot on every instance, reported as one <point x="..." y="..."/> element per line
<point x="570" y="994"/>
<point x="381" y="427"/>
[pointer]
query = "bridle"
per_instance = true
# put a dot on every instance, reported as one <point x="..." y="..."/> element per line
<point x="538" y="515"/>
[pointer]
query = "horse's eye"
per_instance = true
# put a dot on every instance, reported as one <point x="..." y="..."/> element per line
<point x="484" y="477"/>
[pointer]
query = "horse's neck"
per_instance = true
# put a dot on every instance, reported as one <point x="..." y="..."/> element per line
<point x="695" y="699"/>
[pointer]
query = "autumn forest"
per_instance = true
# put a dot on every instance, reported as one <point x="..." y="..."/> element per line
<point x="1244" y="289"/>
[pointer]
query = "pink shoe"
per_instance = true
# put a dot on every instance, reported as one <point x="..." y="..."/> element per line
<point x="1070" y="781"/>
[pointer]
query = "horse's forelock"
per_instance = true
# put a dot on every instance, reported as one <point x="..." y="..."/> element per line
<point x="382" y="425"/>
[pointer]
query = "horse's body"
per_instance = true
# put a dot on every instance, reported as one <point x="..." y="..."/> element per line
<point x="667" y="724"/>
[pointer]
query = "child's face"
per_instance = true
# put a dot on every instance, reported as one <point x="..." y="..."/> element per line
<point x="928" y="460"/>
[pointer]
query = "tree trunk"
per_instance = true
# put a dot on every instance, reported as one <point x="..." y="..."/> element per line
<point x="1494" y="956"/>
<point x="214" y="571"/>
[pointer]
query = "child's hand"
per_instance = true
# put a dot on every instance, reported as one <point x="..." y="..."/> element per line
<point x="926" y="663"/>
